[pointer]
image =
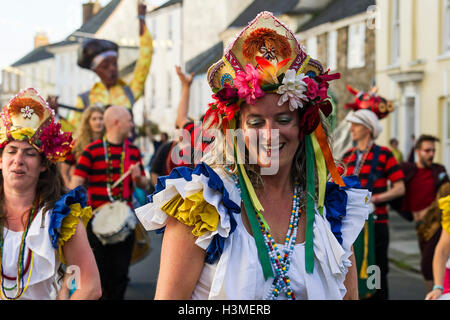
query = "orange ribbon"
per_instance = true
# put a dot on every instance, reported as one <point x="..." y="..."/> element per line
<point x="322" y="139"/>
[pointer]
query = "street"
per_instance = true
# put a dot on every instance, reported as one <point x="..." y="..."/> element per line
<point x="403" y="285"/>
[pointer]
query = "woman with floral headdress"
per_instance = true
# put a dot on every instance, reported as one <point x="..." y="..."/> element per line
<point x="41" y="229"/>
<point x="257" y="219"/>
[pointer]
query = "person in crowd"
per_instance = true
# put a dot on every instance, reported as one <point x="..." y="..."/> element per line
<point x="101" y="57"/>
<point x="226" y="221"/>
<point x="393" y="143"/>
<point x="441" y="258"/>
<point x="375" y="166"/>
<point x="174" y="153"/>
<point x="423" y="180"/>
<point x="100" y="165"/>
<point x="43" y="229"/>
<point x="92" y="127"/>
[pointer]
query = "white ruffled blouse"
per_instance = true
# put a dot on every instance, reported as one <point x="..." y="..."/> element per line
<point x="237" y="274"/>
<point x="42" y="284"/>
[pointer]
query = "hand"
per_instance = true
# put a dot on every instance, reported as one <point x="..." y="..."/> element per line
<point x="142" y="8"/>
<point x="374" y="199"/>
<point x="185" y="81"/>
<point x="53" y="102"/>
<point x="135" y="171"/>
<point x="434" y="294"/>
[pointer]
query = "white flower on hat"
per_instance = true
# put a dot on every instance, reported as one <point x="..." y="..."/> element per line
<point x="292" y="90"/>
<point x="27" y="112"/>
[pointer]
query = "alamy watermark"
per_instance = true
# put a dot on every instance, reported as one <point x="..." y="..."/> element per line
<point x="262" y="147"/>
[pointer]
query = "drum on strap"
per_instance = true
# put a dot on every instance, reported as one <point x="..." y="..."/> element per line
<point x="113" y="222"/>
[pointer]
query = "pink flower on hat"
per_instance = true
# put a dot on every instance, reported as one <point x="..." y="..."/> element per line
<point x="248" y="84"/>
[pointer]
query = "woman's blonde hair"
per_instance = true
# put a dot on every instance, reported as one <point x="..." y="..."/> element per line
<point x="84" y="134"/>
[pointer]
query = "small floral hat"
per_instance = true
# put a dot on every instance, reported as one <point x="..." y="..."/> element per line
<point x="28" y="117"/>
<point x="267" y="58"/>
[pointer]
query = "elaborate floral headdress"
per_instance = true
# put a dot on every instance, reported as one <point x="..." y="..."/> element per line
<point x="370" y="100"/>
<point x="267" y="58"/>
<point x="27" y="117"/>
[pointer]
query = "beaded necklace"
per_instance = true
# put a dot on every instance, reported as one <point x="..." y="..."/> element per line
<point x="280" y="263"/>
<point x="363" y="158"/>
<point x="21" y="271"/>
<point x="109" y="170"/>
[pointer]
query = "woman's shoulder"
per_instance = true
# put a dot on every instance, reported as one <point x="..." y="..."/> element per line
<point x="67" y="213"/>
<point x="202" y="198"/>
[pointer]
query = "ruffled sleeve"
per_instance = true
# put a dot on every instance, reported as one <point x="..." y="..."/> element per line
<point x="66" y="215"/>
<point x="444" y="205"/>
<point x="198" y="198"/>
<point x="347" y="208"/>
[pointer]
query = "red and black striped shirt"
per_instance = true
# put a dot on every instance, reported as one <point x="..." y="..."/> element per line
<point x="387" y="169"/>
<point x="91" y="165"/>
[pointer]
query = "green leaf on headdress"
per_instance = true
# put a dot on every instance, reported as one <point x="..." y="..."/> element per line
<point x="280" y="78"/>
<point x="215" y="90"/>
<point x="269" y="87"/>
<point x="37" y="142"/>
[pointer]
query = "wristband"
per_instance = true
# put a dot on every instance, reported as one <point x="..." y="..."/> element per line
<point x="438" y="287"/>
<point x="141" y="17"/>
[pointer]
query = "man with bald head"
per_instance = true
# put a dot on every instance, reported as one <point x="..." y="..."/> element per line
<point x="101" y="164"/>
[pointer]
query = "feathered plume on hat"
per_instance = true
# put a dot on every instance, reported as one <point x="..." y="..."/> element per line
<point x="27" y="117"/>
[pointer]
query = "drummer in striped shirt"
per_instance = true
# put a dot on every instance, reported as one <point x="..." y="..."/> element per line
<point x="101" y="164"/>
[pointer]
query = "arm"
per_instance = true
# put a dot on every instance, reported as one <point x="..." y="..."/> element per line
<point x="441" y="255"/>
<point x="78" y="252"/>
<point x="181" y="263"/>
<point x="183" y="105"/>
<point x="397" y="190"/>
<point x="138" y="176"/>
<point x="145" y="56"/>
<point x="65" y="172"/>
<point x="351" y="280"/>
<point x="76" y="181"/>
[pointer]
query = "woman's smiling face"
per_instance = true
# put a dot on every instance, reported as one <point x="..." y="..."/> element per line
<point x="276" y="129"/>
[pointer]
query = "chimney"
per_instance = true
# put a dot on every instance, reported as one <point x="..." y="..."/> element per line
<point x="40" y="39"/>
<point x="90" y="9"/>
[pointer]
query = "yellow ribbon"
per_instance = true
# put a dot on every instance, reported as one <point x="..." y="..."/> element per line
<point x="321" y="172"/>
<point x="364" y="264"/>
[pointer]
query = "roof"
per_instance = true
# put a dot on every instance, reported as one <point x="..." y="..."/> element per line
<point x="167" y="4"/>
<point x="40" y="53"/>
<point x="94" y="23"/>
<point x="277" y="7"/>
<point x="337" y="10"/>
<point x="201" y="63"/>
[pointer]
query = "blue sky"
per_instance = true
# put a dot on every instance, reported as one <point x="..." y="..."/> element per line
<point x="21" y="19"/>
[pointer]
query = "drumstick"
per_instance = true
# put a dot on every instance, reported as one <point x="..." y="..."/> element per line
<point x="126" y="174"/>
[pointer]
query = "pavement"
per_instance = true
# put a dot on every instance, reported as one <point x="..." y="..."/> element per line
<point x="403" y="245"/>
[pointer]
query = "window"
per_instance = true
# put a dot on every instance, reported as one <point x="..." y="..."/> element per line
<point x="446" y="27"/>
<point x="395" y="32"/>
<point x="332" y="50"/>
<point x="6" y="81"/>
<point x="311" y="47"/>
<point x="356" y="45"/>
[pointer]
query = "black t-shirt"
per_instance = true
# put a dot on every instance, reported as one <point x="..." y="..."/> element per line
<point x="158" y="163"/>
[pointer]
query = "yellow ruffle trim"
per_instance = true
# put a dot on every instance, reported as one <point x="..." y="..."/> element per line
<point x="193" y="211"/>
<point x="70" y="223"/>
<point x="444" y="205"/>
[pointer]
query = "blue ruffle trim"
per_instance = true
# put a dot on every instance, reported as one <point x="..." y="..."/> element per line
<point x="336" y="203"/>
<point x="215" y="248"/>
<point x="62" y="209"/>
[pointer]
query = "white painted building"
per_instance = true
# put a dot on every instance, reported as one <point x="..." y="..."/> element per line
<point x="53" y="69"/>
